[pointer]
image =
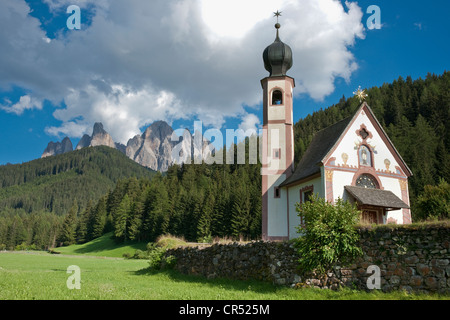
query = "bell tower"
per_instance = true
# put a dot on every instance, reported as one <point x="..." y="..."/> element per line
<point x="278" y="138"/>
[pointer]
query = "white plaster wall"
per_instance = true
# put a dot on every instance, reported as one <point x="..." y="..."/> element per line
<point x="340" y="180"/>
<point x="294" y="198"/>
<point x="276" y="140"/>
<point x="393" y="184"/>
<point x="277" y="209"/>
<point x="277" y="113"/>
<point x="351" y="139"/>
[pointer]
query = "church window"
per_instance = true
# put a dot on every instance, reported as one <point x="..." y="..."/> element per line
<point x="365" y="156"/>
<point x="307" y="196"/>
<point x="363" y="133"/>
<point x="366" y="181"/>
<point x="277" y="193"/>
<point x="277" y="98"/>
<point x="277" y="153"/>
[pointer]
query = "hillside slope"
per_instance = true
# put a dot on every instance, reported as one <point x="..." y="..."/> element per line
<point x="54" y="183"/>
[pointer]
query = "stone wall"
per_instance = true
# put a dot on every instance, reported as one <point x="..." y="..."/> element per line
<point x="415" y="259"/>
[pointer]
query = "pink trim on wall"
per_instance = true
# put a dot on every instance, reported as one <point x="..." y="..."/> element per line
<point x="276" y="122"/>
<point x="265" y="203"/>
<point x="329" y="186"/>
<point x="406" y="213"/>
<point x="276" y="238"/>
<point x="363" y="126"/>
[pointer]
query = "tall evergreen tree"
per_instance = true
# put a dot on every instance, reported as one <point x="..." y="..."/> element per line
<point x="98" y="219"/>
<point x="82" y="233"/>
<point x="68" y="231"/>
<point x="120" y="219"/>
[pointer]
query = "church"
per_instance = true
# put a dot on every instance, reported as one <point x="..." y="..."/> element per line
<point x="353" y="159"/>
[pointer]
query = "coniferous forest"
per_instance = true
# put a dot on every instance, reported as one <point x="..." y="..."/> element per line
<point x="203" y="201"/>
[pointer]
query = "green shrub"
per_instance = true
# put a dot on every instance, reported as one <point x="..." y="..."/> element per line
<point x="139" y="254"/>
<point x="25" y="247"/>
<point x="434" y="202"/>
<point x="329" y="236"/>
<point x="155" y="255"/>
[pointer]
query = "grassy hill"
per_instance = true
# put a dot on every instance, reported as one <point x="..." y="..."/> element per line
<point x="53" y="184"/>
<point x="105" y="246"/>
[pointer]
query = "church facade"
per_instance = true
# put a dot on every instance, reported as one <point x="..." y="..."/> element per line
<point x="353" y="159"/>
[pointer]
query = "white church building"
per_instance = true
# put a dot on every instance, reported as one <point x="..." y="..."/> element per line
<point x="353" y="159"/>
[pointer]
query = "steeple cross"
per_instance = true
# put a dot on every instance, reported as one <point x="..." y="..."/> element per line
<point x="361" y="94"/>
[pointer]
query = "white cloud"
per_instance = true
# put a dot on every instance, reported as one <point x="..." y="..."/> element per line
<point x="25" y="103"/>
<point x="123" y="111"/>
<point x="69" y="128"/>
<point x="140" y="61"/>
<point x="250" y="122"/>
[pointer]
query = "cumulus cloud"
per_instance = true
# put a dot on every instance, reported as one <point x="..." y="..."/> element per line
<point x="139" y="61"/>
<point x="250" y="122"/>
<point x="25" y="103"/>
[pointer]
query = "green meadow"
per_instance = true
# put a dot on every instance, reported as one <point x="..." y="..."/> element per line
<point x="106" y="276"/>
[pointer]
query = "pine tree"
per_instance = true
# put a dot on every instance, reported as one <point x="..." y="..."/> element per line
<point x="135" y="217"/>
<point x="68" y="231"/>
<point x="98" y="219"/>
<point x="120" y="219"/>
<point x="241" y="213"/>
<point x="204" y="229"/>
<point x="82" y="235"/>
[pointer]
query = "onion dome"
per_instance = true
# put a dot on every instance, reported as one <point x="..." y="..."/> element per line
<point x="278" y="57"/>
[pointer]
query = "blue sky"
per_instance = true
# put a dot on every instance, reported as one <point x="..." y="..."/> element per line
<point x="133" y="63"/>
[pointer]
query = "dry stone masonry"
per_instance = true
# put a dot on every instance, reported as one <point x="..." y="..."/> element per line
<point x="411" y="258"/>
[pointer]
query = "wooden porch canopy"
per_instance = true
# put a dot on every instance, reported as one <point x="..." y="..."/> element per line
<point x="376" y="197"/>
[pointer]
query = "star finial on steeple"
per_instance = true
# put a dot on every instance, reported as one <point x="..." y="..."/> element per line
<point x="361" y="94"/>
<point x="277" y="14"/>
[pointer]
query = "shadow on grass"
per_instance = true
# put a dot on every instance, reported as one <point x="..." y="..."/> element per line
<point x="106" y="243"/>
<point x="285" y="293"/>
<point x="222" y="283"/>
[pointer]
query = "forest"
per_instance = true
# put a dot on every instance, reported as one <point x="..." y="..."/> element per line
<point x="200" y="202"/>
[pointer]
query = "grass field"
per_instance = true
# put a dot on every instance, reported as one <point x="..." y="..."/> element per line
<point x="41" y="276"/>
<point x="106" y="276"/>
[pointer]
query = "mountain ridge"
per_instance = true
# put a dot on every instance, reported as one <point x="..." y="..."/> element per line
<point x="152" y="149"/>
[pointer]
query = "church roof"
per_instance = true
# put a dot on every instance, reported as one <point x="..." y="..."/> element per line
<point x="376" y="197"/>
<point x="321" y="144"/>
<point x="278" y="56"/>
<point x="325" y="141"/>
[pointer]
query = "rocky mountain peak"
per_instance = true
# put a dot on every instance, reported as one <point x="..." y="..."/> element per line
<point x="55" y="148"/>
<point x="159" y="130"/>
<point x="152" y="149"/>
<point x="98" y="129"/>
<point x="99" y="138"/>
